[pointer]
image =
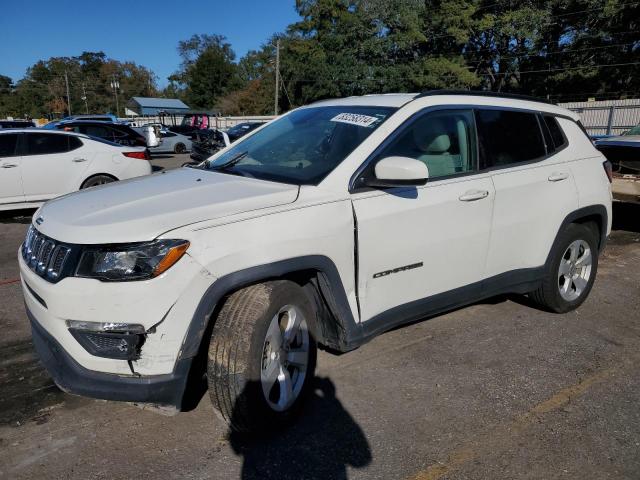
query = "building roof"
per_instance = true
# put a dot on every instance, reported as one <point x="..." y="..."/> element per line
<point x="152" y="106"/>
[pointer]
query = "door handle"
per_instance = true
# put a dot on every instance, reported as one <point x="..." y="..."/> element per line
<point x="473" y="195"/>
<point x="78" y="160"/>
<point x="9" y="165"/>
<point x="558" y="176"/>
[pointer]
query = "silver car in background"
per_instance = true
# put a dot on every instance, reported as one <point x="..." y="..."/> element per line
<point x="172" y="143"/>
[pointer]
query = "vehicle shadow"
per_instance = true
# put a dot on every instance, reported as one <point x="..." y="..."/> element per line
<point x="156" y="168"/>
<point x="323" y="442"/>
<point x="17" y="216"/>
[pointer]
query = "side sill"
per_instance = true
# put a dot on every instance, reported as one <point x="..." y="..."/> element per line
<point x="517" y="281"/>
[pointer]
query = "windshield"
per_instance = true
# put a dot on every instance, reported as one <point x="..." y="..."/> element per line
<point x="304" y="146"/>
<point x="634" y="131"/>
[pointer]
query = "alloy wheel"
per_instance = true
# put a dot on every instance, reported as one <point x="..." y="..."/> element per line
<point x="285" y="358"/>
<point x="575" y="270"/>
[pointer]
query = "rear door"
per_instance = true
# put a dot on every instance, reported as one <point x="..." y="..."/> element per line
<point x="535" y="190"/>
<point x="52" y="165"/>
<point x="10" y="169"/>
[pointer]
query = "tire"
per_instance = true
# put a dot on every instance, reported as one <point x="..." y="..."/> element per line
<point x="247" y="370"/>
<point x="95" y="180"/>
<point x="576" y="252"/>
<point x="179" y="148"/>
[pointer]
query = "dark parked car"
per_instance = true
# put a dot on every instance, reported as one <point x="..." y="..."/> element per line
<point x="16" y="124"/>
<point x="205" y="143"/>
<point x="242" y="129"/>
<point x="113" y="132"/>
<point x="624" y="154"/>
<point x="208" y="142"/>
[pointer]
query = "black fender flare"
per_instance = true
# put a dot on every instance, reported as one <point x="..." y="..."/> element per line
<point x="582" y="213"/>
<point x="351" y="333"/>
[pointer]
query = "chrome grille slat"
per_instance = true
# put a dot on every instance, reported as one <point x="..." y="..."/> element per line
<point x="37" y="242"/>
<point x="57" y="261"/>
<point x="45" y="256"/>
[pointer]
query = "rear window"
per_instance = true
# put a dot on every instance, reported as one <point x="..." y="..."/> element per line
<point x="508" y="137"/>
<point x="97" y="131"/>
<point x="48" y="143"/>
<point x="8" y="144"/>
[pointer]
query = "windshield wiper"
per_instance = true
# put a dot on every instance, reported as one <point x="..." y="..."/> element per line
<point x="231" y="162"/>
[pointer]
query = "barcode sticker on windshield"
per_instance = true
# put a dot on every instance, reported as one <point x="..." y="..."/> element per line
<point x="355" y="119"/>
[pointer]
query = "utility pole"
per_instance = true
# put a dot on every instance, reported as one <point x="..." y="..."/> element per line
<point x="66" y="80"/>
<point x="116" y="85"/>
<point x="275" y="107"/>
<point x="84" y="97"/>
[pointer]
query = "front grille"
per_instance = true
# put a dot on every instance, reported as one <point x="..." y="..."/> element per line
<point x="44" y="255"/>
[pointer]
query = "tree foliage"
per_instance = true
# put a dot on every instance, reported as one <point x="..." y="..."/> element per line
<point x="207" y="71"/>
<point x="559" y="49"/>
<point x="42" y="91"/>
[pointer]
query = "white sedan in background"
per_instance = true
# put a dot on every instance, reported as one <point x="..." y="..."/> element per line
<point x="38" y="165"/>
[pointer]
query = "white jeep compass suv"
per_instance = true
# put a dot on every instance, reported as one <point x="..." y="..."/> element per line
<point x="326" y="227"/>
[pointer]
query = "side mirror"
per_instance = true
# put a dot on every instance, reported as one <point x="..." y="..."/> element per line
<point x="399" y="172"/>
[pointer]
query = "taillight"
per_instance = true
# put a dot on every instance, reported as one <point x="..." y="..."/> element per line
<point x="608" y="169"/>
<point x="140" y="155"/>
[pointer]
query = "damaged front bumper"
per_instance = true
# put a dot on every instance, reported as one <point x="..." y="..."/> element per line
<point x="71" y="377"/>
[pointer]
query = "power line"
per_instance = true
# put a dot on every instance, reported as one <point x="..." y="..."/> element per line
<point x="547" y="54"/>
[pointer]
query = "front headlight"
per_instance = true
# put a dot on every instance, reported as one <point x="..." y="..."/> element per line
<point x="138" y="261"/>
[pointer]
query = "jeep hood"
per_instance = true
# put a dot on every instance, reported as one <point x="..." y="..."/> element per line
<point x="143" y="208"/>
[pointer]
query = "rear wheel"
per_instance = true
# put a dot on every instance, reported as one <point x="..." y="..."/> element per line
<point x="179" y="148"/>
<point x="571" y="271"/>
<point x="262" y="356"/>
<point x="101" y="179"/>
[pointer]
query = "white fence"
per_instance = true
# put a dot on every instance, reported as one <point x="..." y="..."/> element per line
<point x="607" y="117"/>
<point x="221" y="123"/>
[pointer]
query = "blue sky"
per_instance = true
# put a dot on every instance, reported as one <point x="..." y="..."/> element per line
<point x="146" y="32"/>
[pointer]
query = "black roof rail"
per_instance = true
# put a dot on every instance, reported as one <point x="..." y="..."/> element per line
<point x="483" y="93"/>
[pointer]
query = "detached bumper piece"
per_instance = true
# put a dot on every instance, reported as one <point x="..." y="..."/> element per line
<point x="72" y="377"/>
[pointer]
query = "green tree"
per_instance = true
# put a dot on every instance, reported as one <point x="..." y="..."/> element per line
<point x="207" y="71"/>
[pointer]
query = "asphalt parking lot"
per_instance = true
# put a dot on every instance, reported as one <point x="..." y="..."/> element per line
<point x="497" y="390"/>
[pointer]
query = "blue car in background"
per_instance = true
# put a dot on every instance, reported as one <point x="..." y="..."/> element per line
<point x="107" y="117"/>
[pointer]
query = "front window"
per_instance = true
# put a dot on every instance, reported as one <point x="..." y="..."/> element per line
<point x="304" y="146"/>
<point x="443" y="140"/>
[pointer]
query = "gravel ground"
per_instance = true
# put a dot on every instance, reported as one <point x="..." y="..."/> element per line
<point x="497" y="390"/>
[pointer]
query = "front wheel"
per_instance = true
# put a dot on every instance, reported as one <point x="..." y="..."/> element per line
<point x="179" y="148"/>
<point x="262" y="356"/>
<point x="571" y="271"/>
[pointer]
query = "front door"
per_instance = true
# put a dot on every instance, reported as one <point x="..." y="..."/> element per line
<point x="417" y="243"/>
